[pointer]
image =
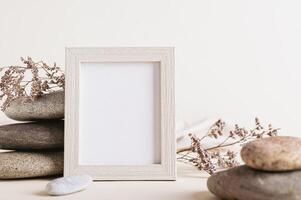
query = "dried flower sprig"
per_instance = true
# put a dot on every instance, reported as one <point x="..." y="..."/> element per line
<point x="211" y="158"/>
<point x="31" y="80"/>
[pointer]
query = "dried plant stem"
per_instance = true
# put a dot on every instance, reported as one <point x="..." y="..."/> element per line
<point x="222" y="145"/>
<point x="31" y="80"/>
<point x="211" y="158"/>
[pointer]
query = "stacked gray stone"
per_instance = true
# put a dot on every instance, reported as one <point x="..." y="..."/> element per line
<point x="272" y="172"/>
<point x="37" y="142"/>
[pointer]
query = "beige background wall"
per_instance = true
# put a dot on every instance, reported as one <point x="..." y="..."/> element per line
<point x="236" y="59"/>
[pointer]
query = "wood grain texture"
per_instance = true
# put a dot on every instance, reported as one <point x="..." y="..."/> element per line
<point x="165" y="56"/>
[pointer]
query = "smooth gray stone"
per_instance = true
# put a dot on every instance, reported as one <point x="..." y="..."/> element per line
<point x="14" y="165"/>
<point x="68" y="185"/>
<point x="34" y="135"/>
<point x="48" y="106"/>
<point x="245" y="183"/>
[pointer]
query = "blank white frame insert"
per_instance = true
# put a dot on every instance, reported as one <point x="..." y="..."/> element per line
<point x="123" y="109"/>
<point x="119" y="113"/>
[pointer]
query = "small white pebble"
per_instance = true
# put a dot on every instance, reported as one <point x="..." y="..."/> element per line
<point x="68" y="185"/>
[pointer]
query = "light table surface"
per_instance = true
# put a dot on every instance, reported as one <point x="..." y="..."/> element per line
<point x="190" y="185"/>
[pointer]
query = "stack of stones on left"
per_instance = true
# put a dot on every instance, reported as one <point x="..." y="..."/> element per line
<point x="37" y="142"/>
<point x="272" y="172"/>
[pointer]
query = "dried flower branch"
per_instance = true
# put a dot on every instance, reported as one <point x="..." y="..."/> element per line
<point x="31" y="80"/>
<point x="211" y="158"/>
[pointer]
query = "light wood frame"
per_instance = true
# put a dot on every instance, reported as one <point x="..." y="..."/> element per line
<point x="166" y="170"/>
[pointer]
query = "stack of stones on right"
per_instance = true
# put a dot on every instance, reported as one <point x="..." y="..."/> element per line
<point x="272" y="171"/>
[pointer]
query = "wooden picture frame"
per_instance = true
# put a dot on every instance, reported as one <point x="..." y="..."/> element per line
<point x="114" y="96"/>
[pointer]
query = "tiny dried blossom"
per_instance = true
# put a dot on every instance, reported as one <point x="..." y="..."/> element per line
<point x="238" y="132"/>
<point x="31" y="80"/>
<point x="216" y="129"/>
<point x="212" y="158"/>
<point x="203" y="159"/>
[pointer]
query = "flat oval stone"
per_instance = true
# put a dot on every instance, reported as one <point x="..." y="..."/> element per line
<point x="15" y="165"/>
<point x="47" y="106"/>
<point x="245" y="183"/>
<point x="280" y="153"/>
<point x="34" y="135"/>
<point x="68" y="185"/>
